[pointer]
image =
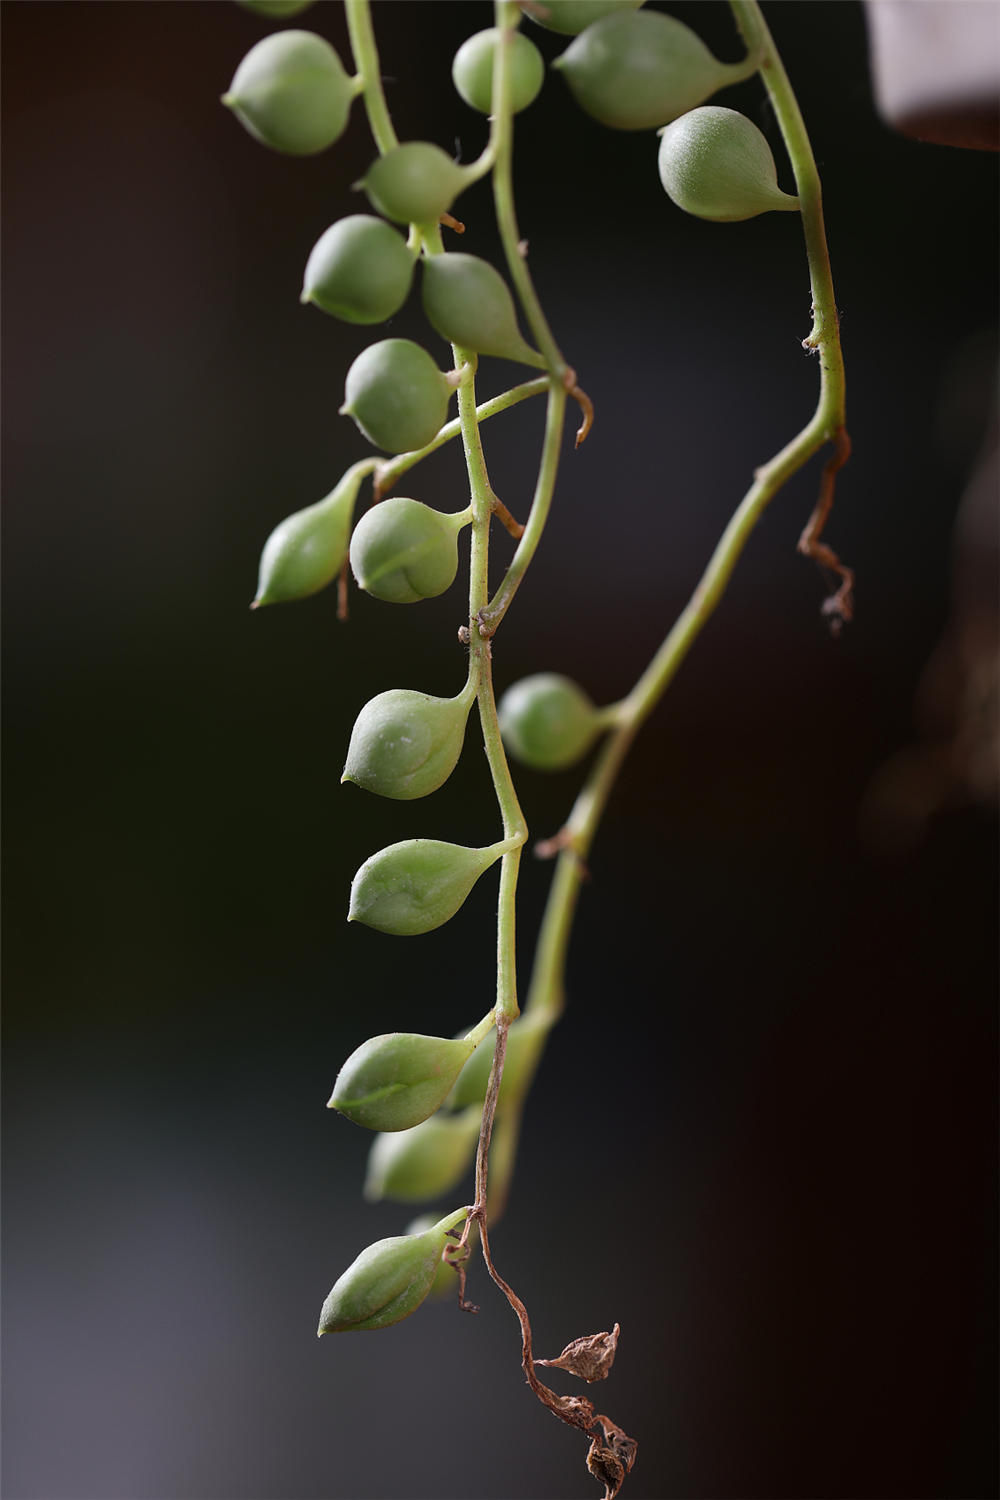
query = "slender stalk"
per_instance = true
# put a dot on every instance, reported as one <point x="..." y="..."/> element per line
<point x="546" y="992"/>
<point x="389" y="471"/>
<point x="507" y="15"/>
<point x="555" y="416"/>
<point x="362" y="36"/>
<point x="824" y="335"/>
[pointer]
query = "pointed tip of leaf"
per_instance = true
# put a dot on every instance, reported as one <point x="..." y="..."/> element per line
<point x="229" y="100"/>
<point x="305" y="296"/>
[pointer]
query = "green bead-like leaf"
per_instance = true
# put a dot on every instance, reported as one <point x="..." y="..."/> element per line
<point x="525" y="1043"/>
<point x="397" y="395"/>
<point x="276" y="10"/>
<point x="291" y="93"/>
<point x="472" y="70"/>
<point x="395" y="1081"/>
<point x="388" y="1281"/>
<point x="411" y="1166"/>
<point x="417" y="885"/>
<point x="571" y="16"/>
<point x="359" y="270"/>
<point x="414" y="183"/>
<point x="547" y="721"/>
<point x="402" y="551"/>
<point x="637" y="70"/>
<point x="307" y="550"/>
<point x="715" y="163"/>
<point x="406" y="744"/>
<point x="467" y="302"/>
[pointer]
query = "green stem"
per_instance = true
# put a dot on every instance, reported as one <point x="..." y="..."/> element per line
<point x="362" y="35"/>
<point x="391" y="470"/>
<point x="547" y="982"/>
<point x="824" y="335"/>
<point x="507" y="15"/>
<point x="545" y="485"/>
<point x="513" y="819"/>
<point x="485" y="1026"/>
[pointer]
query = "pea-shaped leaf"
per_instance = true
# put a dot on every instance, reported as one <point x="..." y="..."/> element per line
<point x="397" y="395"/>
<point x="291" y="93"/>
<point x="547" y="721"/>
<point x="411" y="1166"/>
<point x="406" y="744"/>
<point x="472" y="70"/>
<point x="417" y="885"/>
<point x="307" y="550"/>
<point x="402" y="551"/>
<point x="525" y="1042"/>
<point x="392" y="1082"/>
<point x="388" y="1281"/>
<point x="414" y="183"/>
<point x="715" y="163"/>
<point x="571" y="16"/>
<point x="359" y="270"/>
<point x="276" y="10"/>
<point x="637" y="70"/>
<point x="467" y="303"/>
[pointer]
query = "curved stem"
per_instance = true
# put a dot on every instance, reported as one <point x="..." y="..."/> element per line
<point x="507" y="17"/>
<point x="388" y="471"/>
<point x="824" y="335"/>
<point x="498" y="606"/>
<point x="359" y="29"/>
<point x="546" y="991"/>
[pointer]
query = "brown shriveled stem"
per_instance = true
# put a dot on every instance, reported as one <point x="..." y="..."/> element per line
<point x="576" y="1411"/>
<point x="342" y="610"/>
<point x="587" y="407"/>
<point x="503" y="515"/>
<point x="840" y="605"/>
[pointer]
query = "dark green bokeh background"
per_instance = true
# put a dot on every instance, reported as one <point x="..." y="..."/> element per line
<point x="763" y="1137"/>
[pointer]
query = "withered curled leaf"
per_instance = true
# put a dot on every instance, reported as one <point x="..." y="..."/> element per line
<point x="606" y="1466"/>
<point x="590" y="1358"/>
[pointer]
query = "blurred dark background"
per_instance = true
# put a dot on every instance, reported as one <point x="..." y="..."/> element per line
<point x="763" y="1137"/>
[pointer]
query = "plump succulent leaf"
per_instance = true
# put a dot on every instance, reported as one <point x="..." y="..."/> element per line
<point x="411" y="1166"/>
<point x="388" y="1281"/>
<point x="416" y="885"/>
<point x="397" y="395"/>
<point x="359" y="270"/>
<point x="639" y="69"/>
<point x="569" y="17"/>
<point x="402" y="550"/>
<point x="395" y="1081"/>
<point x="472" y="70"/>
<point x="414" y="183"/>
<point x="307" y="549"/>
<point x="406" y="744"/>
<point x="715" y="163"/>
<point x="468" y="303"/>
<point x="276" y="10"/>
<point x="547" y="721"/>
<point x="291" y="93"/>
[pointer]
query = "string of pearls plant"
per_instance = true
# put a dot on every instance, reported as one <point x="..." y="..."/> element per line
<point x="437" y="1103"/>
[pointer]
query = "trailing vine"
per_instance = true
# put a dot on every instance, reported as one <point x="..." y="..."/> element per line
<point x="435" y="1102"/>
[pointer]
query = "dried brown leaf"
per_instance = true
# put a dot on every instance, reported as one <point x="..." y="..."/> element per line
<point x="590" y="1358"/>
<point x="606" y="1466"/>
